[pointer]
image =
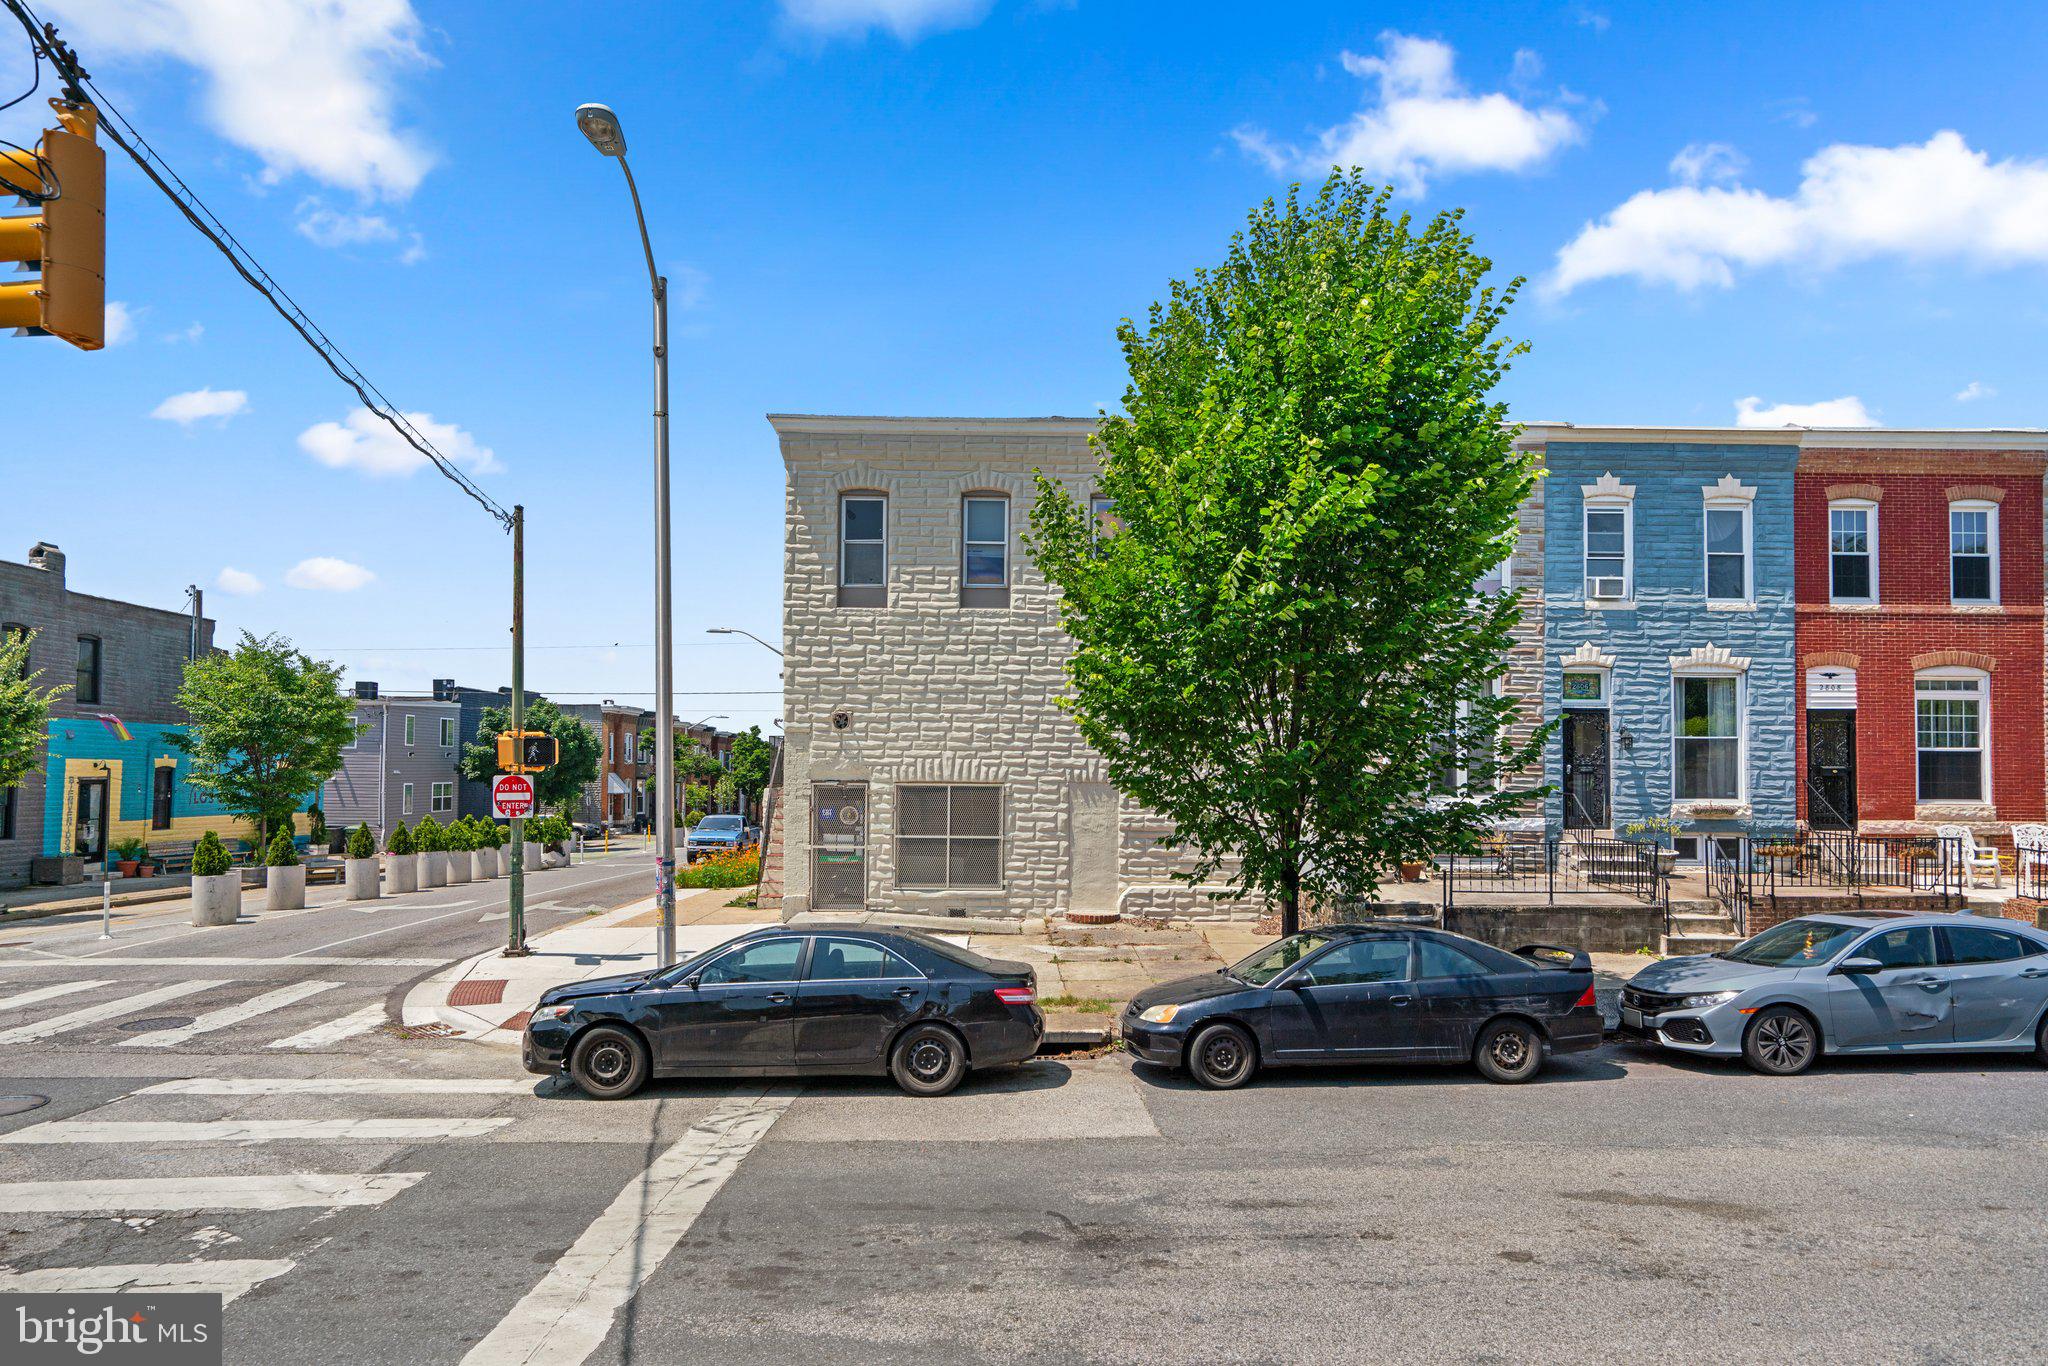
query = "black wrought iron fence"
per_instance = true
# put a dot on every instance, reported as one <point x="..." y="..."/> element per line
<point x="2030" y="870"/>
<point x="1829" y="859"/>
<point x="1533" y="865"/>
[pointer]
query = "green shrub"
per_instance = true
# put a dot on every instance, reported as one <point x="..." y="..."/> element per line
<point x="361" y="843"/>
<point x="283" y="851"/>
<point x="457" y="838"/>
<point x="130" y="850"/>
<point x="399" y="841"/>
<point x="501" y="835"/>
<point x="210" y="856"/>
<point x="316" y="827"/>
<point x="428" y="836"/>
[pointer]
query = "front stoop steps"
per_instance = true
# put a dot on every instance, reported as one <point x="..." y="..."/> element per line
<point x="1699" y="926"/>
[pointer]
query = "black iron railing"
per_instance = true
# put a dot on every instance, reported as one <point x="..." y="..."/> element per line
<point x="1830" y="859"/>
<point x="1532" y="865"/>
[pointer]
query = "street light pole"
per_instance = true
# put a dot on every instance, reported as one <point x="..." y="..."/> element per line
<point x="602" y="127"/>
<point x="741" y="631"/>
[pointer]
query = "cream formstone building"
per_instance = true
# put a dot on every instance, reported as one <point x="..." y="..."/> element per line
<point x="928" y="767"/>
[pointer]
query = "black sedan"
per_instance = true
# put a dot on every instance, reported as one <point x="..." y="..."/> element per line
<point x="1370" y="993"/>
<point x="785" y="1002"/>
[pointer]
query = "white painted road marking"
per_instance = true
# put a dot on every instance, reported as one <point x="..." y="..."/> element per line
<point x="228" y="1279"/>
<point x="252" y="1130"/>
<point x="563" y="1320"/>
<point x="46" y="960"/>
<point x="231" y="1015"/>
<point x="341" y="1086"/>
<point x="334" y="1031"/>
<point x="29" y="998"/>
<point x="295" y="1191"/>
<point x="105" y="1010"/>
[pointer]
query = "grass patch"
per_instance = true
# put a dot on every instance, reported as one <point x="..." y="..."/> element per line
<point x="1082" y="1005"/>
<point x="746" y="900"/>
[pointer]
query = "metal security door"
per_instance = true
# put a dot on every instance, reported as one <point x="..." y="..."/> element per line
<point x="1831" y="770"/>
<point x="89" y="829"/>
<point x="839" y="839"/>
<point x="1585" y="770"/>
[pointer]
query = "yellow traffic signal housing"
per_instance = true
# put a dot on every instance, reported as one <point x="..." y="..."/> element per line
<point x="531" y="751"/>
<point x="65" y="239"/>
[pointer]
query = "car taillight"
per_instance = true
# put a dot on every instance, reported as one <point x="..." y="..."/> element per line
<point x="1016" y="996"/>
<point x="1585" y="1001"/>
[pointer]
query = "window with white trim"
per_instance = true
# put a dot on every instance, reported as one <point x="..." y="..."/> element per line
<point x="863" y="550"/>
<point x="985" y="551"/>
<point x="949" y="836"/>
<point x="409" y="729"/>
<point x="1728" y="577"/>
<point x="447" y="732"/>
<point x="1609" y="557"/>
<point x="405" y="799"/>
<point x="1973" y="552"/>
<point x="441" y="797"/>
<point x="1949" y="735"/>
<point x="1707" y="737"/>
<point x="1852" y="551"/>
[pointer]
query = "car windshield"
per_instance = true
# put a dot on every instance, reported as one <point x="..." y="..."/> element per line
<point x="1269" y="962"/>
<point x="719" y="823"/>
<point x="1795" y="944"/>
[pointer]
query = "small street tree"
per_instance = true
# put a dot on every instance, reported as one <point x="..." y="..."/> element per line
<point x="753" y="763"/>
<point x="1278" y="643"/>
<point x="576" y="751"/>
<point x="24" y="711"/>
<point x="268" y="725"/>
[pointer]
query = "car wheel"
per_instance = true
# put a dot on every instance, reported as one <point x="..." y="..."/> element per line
<point x="1508" y="1051"/>
<point x="608" y="1063"/>
<point x="2041" y="1042"/>
<point x="1222" y="1057"/>
<point x="1781" y="1042"/>
<point x="929" y="1060"/>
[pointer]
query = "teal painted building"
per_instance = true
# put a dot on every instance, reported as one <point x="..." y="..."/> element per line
<point x="136" y="786"/>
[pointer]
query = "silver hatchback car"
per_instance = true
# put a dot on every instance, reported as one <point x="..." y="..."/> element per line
<point x="1850" y="984"/>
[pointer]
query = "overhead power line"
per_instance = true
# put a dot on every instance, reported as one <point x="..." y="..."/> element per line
<point x="130" y="140"/>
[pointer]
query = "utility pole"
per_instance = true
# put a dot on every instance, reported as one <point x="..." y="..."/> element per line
<point x="515" y="946"/>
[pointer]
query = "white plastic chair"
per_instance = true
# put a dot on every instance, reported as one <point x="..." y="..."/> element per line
<point x="1977" y="858"/>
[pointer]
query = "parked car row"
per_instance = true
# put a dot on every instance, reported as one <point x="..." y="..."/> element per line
<point x="846" y="999"/>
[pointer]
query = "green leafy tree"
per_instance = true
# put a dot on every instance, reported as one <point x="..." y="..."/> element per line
<point x="1278" y="645"/>
<point x="753" y="762"/>
<point x="361" y="843"/>
<point x="210" y="857"/>
<point x="283" y="851"/>
<point x="726" y="794"/>
<point x="24" y="711"/>
<point x="268" y="725"/>
<point x="576" y="751"/>
<point x="400" y="841"/>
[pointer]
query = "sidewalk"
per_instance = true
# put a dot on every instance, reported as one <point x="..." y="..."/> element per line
<point x="1086" y="975"/>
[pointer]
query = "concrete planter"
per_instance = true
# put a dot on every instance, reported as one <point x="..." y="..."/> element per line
<point x="486" y="864"/>
<point x="532" y="856"/>
<point x="286" y="890"/>
<point x="217" y="900"/>
<point x="404" y="872"/>
<point x="460" y="864"/>
<point x="434" y="869"/>
<point x="359" y="875"/>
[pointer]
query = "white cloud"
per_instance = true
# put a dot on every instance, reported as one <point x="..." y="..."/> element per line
<point x="1975" y="390"/>
<point x="907" y="20"/>
<point x="120" y="322"/>
<point x="1937" y="200"/>
<point x="1847" y="411"/>
<point x="1424" y="122"/>
<point x="364" y="441"/>
<point x="1588" y="18"/>
<point x="325" y="574"/>
<point x="309" y="86"/>
<point x="332" y="228"/>
<point x="200" y="405"/>
<point x="189" y="334"/>
<point x="1704" y="162"/>
<point x="240" y="582"/>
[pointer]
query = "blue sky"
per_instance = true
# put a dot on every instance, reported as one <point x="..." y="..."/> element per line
<point x="1828" y="214"/>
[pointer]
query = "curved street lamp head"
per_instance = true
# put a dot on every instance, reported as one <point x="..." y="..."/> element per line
<point x="601" y="126"/>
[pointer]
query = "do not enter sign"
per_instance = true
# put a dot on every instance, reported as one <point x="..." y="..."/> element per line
<point x="512" y="796"/>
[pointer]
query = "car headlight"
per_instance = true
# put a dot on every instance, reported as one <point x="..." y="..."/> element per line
<point x="547" y="1013"/>
<point x="1159" y="1014"/>
<point x="1710" y="998"/>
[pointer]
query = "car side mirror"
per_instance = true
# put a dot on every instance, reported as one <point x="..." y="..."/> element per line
<point x="1859" y="967"/>
<point x="692" y="981"/>
<point x="1300" y="981"/>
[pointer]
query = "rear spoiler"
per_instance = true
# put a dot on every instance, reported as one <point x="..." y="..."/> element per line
<point x="1552" y="956"/>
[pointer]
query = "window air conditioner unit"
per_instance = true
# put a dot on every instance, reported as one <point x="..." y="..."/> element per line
<point x="1608" y="589"/>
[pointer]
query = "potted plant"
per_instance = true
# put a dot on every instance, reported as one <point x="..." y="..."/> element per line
<point x="359" y="865"/>
<point x="530" y="852"/>
<point x="128" y="855"/>
<point x="432" y="841"/>
<point x="1657" y="831"/>
<point x="286" y="888"/>
<point x="216" y="886"/>
<point x="484" y="836"/>
<point x="318" y="837"/>
<point x="1780" y="856"/>
<point x="459" y="844"/>
<point x="1413" y="869"/>
<point x="401" y="861"/>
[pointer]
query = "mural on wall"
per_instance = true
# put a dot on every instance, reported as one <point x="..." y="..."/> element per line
<point x="107" y="781"/>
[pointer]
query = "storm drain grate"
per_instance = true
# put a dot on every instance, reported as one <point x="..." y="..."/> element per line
<point x="435" y="1030"/>
<point x="478" y="992"/>
<point x="21" y="1103"/>
<point x="154" y="1023"/>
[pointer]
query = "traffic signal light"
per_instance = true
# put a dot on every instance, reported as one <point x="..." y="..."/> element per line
<point x="65" y="239"/>
<point x="528" y="751"/>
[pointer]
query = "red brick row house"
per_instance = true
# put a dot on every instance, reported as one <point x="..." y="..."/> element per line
<point x="1918" y="585"/>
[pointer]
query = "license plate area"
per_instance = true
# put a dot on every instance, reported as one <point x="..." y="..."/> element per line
<point x="1633" y="1018"/>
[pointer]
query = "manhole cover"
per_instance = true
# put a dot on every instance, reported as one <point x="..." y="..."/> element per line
<point x="21" y="1103"/>
<point x="154" y="1023"/>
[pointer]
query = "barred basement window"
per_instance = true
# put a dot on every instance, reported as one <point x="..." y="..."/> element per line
<point x="949" y="837"/>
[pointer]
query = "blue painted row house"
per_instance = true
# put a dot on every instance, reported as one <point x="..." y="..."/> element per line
<point x="1669" y="630"/>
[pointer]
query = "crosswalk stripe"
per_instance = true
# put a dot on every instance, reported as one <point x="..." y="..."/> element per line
<point x="48" y="993"/>
<point x="341" y="1086"/>
<point x="50" y="960"/>
<point x="228" y="1279"/>
<point x="105" y="1010"/>
<point x="334" y="1031"/>
<point x="569" y="1314"/>
<point x="252" y="1130"/>
<point x="294" y="1191"/>
<point x="231" y="1015"/>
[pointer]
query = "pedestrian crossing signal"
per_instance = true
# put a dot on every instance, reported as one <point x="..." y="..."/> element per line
<point x="527" y="751"/>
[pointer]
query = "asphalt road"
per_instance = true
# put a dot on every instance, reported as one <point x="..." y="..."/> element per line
<point x="374" y="1198"/>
